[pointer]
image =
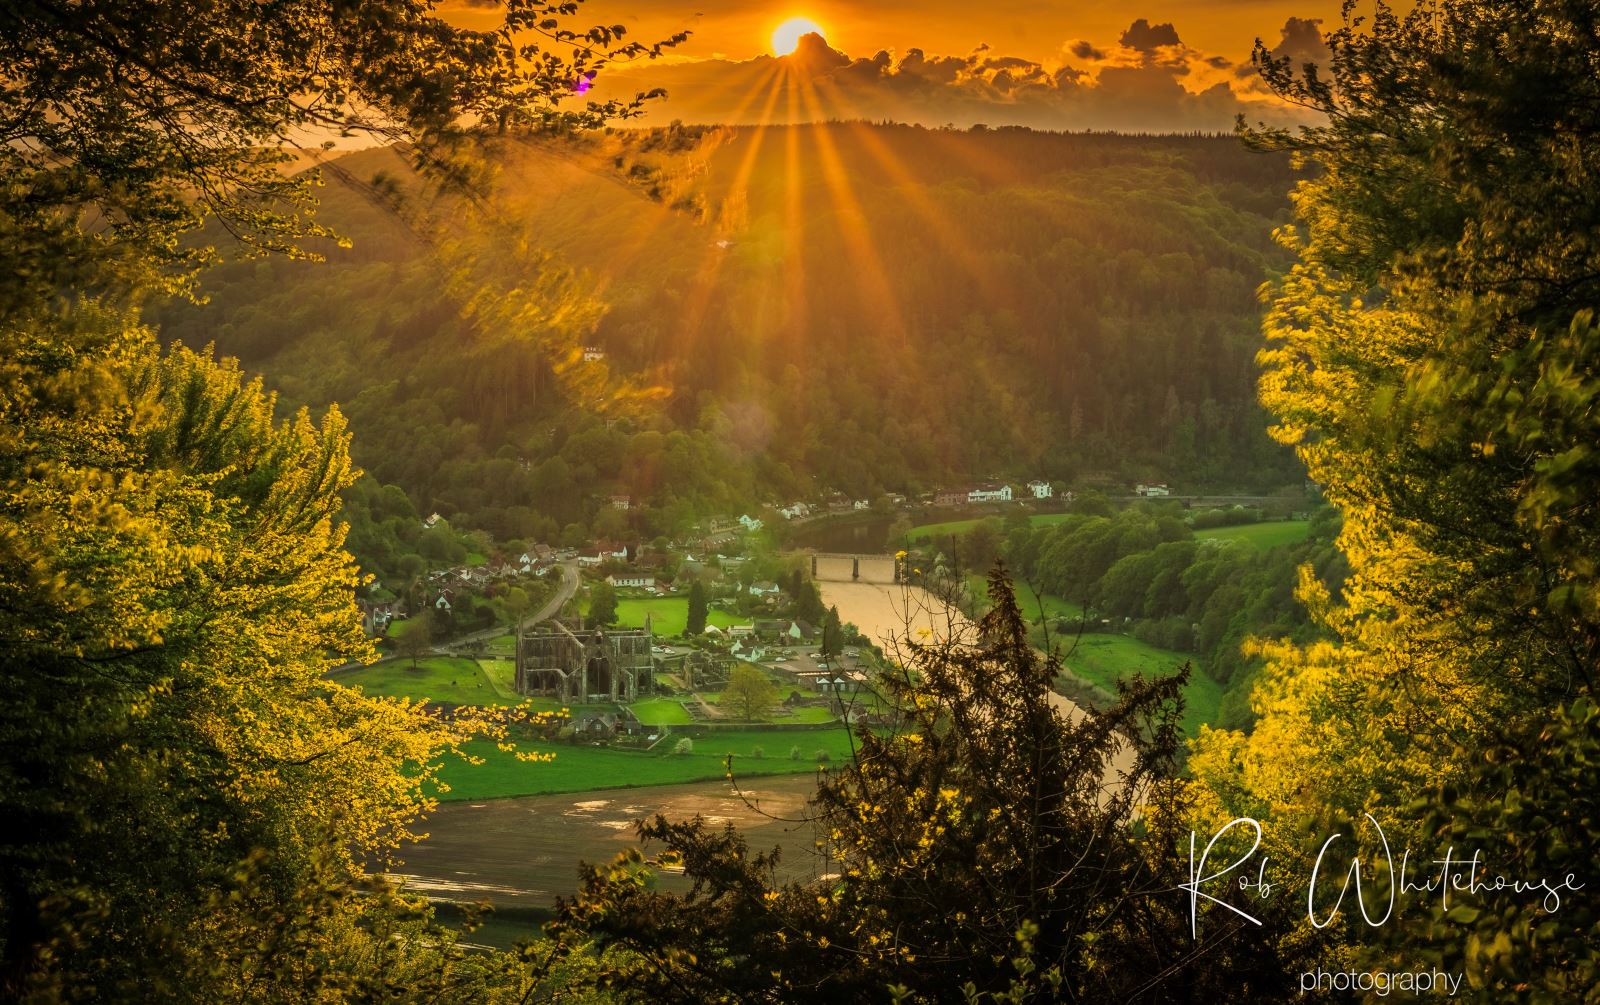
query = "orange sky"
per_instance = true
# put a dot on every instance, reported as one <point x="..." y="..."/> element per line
<point x="1044" y="63"/>
<point x="1034" y="29"/>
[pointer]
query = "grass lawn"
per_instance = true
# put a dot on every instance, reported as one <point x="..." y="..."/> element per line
<point x="660" y="712"/>
<point x="1103" y="659"/>
<point x="398" y="628"/>
<point x="503" y="675"/>
<point x="1053" y="606"/>
<point x="958" y="527"/>
<point x="506" y="643"/>
<point x="1259" y="535"/>
<point x="446" y="679"/>
<point x="810" y="713"/>
<point x="579" y="769"/>
<point x="668" y="615"/>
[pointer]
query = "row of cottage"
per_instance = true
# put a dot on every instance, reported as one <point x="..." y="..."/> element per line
<point x="990" y="493"/>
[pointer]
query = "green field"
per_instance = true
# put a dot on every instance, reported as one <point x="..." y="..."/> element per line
<point x="446" y="679"/>
<point x="1102" y="660"/>
<point x="809" y="713"/>
<point x="660" y="712"/>
<point x="502" y="673"/>
<point x="398" y="628"/>
<point x="1259" y="535"/>
<point x="958" y="527"/>
<point x="580" y="769"/>
<point x="668" y="615"/>
<point x="1052" y="606"/>
<point x="506" y="643"/>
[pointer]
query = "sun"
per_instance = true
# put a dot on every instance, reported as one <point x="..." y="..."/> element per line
<point x="786" y="37"/>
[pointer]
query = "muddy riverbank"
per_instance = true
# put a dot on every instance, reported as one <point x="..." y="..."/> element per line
<point x="519" y="855"/>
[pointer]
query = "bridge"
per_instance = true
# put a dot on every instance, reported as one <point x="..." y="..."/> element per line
<point x="834" y="567"/>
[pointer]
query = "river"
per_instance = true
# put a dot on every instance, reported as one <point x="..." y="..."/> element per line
<point x="886" y="614"/>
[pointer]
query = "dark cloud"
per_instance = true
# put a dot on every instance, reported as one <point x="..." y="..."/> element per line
<point x="1146" y="37"/>
<point x="1150" y="82"/>
<point x="1302" y="42"/>
<point x="813" y="53"/>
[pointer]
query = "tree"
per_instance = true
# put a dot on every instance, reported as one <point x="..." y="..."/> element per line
<point x="611" y="524"/>
<point x="189" y="808"/>
<point x="977" y="855"/>
<point x="832" y="633"/>
<point x="750" y="693"/>
<point x="808" y="603"/>
<point x="1433" y="359"/>
<point x="516" y="604"/>
<point x="980" y="546"/>
<point x="602" y="604"/>
<point x="150" y="119"/>
<point x="176" y="588"/>
<point x="697" y="609"/>
<point x="417" y="640"/>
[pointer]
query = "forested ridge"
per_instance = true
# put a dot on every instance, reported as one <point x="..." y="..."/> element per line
<point x="851" y="307"/>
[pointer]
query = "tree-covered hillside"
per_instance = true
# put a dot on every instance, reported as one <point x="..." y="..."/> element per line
<point x="854" y="307"/>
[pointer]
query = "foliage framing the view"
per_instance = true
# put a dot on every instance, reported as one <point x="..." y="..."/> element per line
<point x="1433" y="358"/>
<point x="985" y="851"/>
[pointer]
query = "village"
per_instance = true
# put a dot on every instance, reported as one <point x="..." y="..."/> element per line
<point x="638" y="641"/>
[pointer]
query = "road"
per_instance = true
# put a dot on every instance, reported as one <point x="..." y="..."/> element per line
<point x="552" y="607"/>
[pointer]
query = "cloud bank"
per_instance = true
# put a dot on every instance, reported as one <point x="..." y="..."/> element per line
<point x="1149" y="80"/>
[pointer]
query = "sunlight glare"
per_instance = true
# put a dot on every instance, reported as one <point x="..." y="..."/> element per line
<point x="786" y="37"/>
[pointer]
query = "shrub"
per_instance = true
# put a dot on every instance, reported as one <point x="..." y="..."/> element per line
<point x="794" y="753"/>
<point x="823" y="757"/>
<point x="683" y="746"/>
<point x="758" y="752"/>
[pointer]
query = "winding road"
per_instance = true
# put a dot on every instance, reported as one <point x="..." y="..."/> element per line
<point x="552" y="607"/>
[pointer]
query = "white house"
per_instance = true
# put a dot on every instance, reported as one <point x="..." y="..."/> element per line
<point x="592" y="353"/>
<point x="621" y="502"/>
<point x="763" y="589"/>
<point x="861" y="504"/>
<point x="1151" y="491"/>
<point x="1041" y="490"/>
<point x="443" y="603"/>
<point x="633" y="579"/>
<point x="750" y="523"/>
<point x="990" y="493"/>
